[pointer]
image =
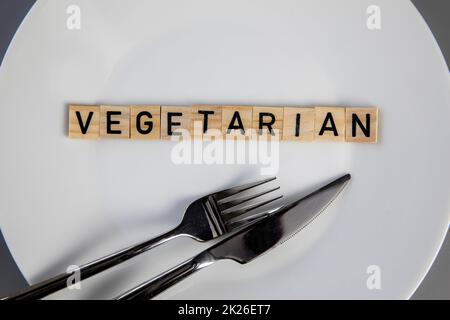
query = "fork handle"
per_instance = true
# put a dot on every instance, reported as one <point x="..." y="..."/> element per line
<point x="160" y="283"/>
<point x="59" y="282"/>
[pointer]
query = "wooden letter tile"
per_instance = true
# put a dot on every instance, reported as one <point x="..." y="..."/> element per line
<point x="84" y="122"/>
<point x="267" y="120"/>
<point x="175" y="121"/>
<point x="206" y="121"/>
<point x="362" y="125"/>
<point x="298" y="124"/>
<point x="236" y="120"/>
<point x="145" y="122"/>
<point x="115" y="122"/>
<point x="330" y="124"/>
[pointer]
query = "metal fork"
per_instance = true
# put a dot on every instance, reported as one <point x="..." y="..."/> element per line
<point x="205" y="219"/>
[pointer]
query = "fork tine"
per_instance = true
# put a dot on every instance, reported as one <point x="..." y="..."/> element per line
<point x="236" y="223"/>
<point x="244" y="219"/>
<point x="224" y="206"/>
<point x="219" y="196"/>
<point x="228" y="216"/>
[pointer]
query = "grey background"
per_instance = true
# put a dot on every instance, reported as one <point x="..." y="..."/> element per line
<point x="436" y="284"/>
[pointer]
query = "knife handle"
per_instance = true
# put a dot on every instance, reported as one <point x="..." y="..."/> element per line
<point x="59" y="282"/>
<point x="160" y="283"/>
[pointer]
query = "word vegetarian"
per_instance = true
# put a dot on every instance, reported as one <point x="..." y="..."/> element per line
<point x="150" y="122"/>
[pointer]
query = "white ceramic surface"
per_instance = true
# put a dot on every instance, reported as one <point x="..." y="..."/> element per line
<point x="67" y="202"/>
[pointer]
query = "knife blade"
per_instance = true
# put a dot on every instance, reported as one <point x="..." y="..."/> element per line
<point x="279" y="227"/>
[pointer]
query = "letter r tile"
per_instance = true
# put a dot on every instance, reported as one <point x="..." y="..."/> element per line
<point x="271" y="121"/>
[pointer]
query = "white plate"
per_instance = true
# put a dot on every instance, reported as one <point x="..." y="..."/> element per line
<point x="66" y="202"/>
